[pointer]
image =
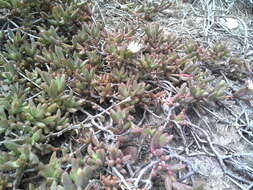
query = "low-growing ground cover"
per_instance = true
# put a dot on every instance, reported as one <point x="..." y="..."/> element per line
<point x="108" y="95"/>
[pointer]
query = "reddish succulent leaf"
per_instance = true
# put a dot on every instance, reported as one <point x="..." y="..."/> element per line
<point x="89" y="149"/>
<point x="181" y="186"/>
<point x="95" y="140"/>
<point x="168" y="183"/>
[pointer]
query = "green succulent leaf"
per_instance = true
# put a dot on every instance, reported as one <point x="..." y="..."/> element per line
<point x="67" y="182"/>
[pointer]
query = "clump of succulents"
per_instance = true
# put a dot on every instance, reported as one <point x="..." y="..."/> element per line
<point x="59" y="67"/>
<point x="148" y="10"/>
<point x="57" y="178"/>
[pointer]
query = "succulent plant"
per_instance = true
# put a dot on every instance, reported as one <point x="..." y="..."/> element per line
<point x="117" y="158"/>
<point x="121" y="120"/>
<point x="159" y="140"/>
<point x="149" y="10"/>
<point x="75" y="91"/>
